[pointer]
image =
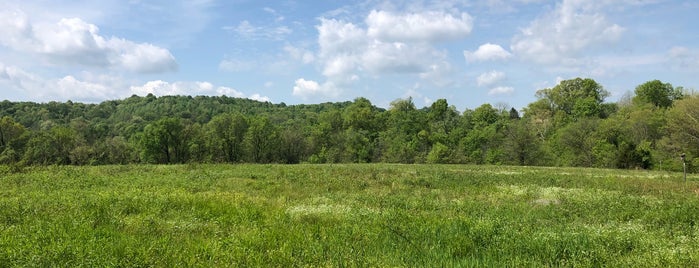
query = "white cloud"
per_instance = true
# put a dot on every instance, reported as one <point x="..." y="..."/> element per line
<point x="429" y="26"/>
<point x="397" y="58"/>
<point x="340" y="67"/>
<point x="338" y="37"/>
<point x="305" y="87"/>
<point x="341" y="46"/>
<point x="163" y="88"/>
<point x="309" y="88"/>
<point x="157" y="87"/>
<point x="231" y="92"/>
<point x="439" y="74"/>
<point x="490" y="78"/>
<point x="89" y="88"/>
<point x="300" y="54"/>
<point x="20" y="80"/>
<point x="259" y="98"/>
<point x="487" y="52"/>
<point x="501" y="91"/>
<point x="71" y="87"/>
<point x="561" y="36"/>
<point x="246" y="30"/>
<point x="273" y="12"/>
<point x="391" y="43"/>
<point x="74" y="41"/>
<point x="684" y="58"/>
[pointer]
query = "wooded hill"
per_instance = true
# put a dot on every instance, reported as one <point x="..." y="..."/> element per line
<point x="568" y="125"/>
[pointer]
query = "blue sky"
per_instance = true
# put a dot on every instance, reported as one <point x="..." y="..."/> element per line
<point x="469" y="52"/>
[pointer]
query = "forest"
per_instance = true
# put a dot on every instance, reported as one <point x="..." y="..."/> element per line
<point x="568" y="125"/>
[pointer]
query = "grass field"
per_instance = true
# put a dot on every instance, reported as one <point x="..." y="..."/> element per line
<point x="346" y="215"/>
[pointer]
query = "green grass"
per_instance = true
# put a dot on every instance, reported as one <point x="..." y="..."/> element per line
<point x="346" y="215"/>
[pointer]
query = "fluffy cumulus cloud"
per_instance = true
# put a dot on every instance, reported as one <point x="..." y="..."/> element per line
<point x="338" y="37"/>
<point x="490" y="78"/>
<point x="69" y="85"/>
<point x="300" y="54"/>
<point x="162" y="88"/>
<point x="74" y="41"/>
<point x="308" y="88"/>
<point x="561" y="36"/>
<point x="88" y="88"/>
<point x="501" y="91"/>
<point x="494" y="81"/>
<point x="418" y="27"/>
<point x="19" y="80"/>
<point x="391" y="43"/>
<point x="487" y="52"/>
<point x="398" y="58"/>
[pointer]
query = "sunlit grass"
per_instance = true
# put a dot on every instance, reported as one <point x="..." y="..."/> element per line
<point x="346" y="215"/>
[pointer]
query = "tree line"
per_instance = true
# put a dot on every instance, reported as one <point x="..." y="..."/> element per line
<point x="568" y="125"/>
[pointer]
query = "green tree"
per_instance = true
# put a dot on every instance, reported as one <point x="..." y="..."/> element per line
<point x="227" y="132"/>
<point x="51" y="147"/>
<point x="439" y="154"/>
<point x="292" y="147"/>
<point x="405" y="139"/>
<point x="261" y="140"/>
<point x="540" y="116"/>
<point x="521" y="145"/>
<point x="197" y="149"/>
<point x="11" y="142"/>
<point x="482" y="144"/>
<point x="657" y="93"/>
<point x="358" y="147"/>
<point x="116" y="150"/>
<point x="575" y="143"/>
<point x="164" y="142"/>
<point x="682" y="132"/>
<point x="442" y="120"/>
<point x="9" y="131"/>
<point x="617" y="146"/>
<point x="575" y="97"/>
<point x="484" y="115"/>
<point x="361" y="115"/>
<point x="326" y="137"/>
<point x="514" y="114"/>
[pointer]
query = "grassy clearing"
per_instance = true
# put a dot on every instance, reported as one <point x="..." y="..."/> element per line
<point x="346" y="215"/>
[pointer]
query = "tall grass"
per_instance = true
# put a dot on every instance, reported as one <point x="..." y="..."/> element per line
<point x="346" y="215"/>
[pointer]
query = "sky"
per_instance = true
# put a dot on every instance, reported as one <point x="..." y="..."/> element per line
<point x="469" y="52"/>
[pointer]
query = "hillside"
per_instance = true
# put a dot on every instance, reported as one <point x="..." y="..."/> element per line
<point x="569" y="125"/>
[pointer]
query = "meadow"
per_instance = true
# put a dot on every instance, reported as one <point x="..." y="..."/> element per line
<point x="346" y="215"/>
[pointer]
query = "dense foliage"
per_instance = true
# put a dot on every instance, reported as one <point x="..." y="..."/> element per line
<point x="568" y="125"/>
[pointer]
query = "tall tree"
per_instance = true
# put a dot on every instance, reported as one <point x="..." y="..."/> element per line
<point x="579" y="97"/>
<point x="443" y="119"/>
<point x="51" y="147"/>
<point x="482" y="144"/>
<point x="657" y="93"/>
<point x="575" y="143"/>
<point x="521" y="145"/>
<point x="401" y="141"/>
<point x="261" y="140"/>
<point x="682" y="131"/>
<point x="164" y="141"/>
<point x="9" y="131"/>
<point x="227" y="132"/>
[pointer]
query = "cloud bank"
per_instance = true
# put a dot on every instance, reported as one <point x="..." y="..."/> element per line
<point x="76" y="42"/>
